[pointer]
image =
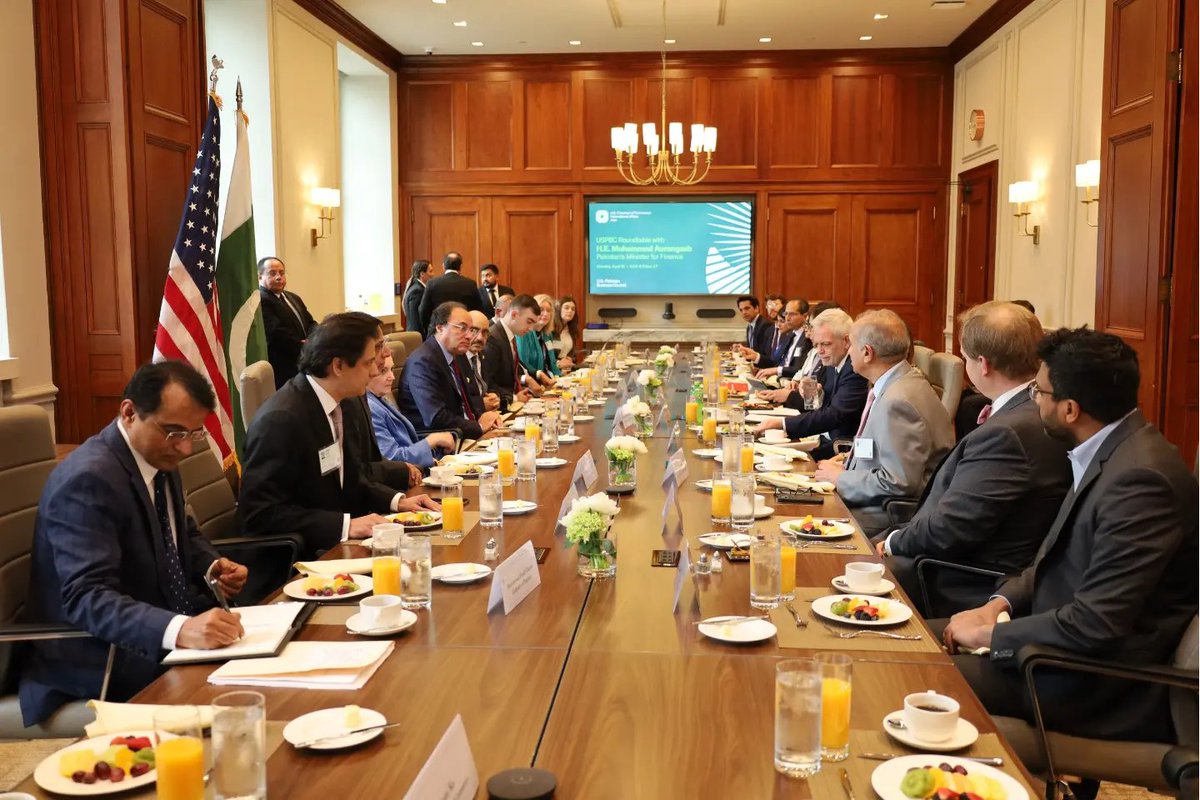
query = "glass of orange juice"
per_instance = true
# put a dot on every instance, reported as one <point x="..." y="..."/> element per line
<point x="506" y="462"/>
<point x="690" y="410"/>
<point x="787" y="563"/>
<point x="747" y="459"/>
<point x="385" y="558"/>
<point x="533" y="432"/>
<point x="722" y="499"/>
<point x="709" y="430"/>
<point x="179" y="753"/>
<point x="452" y="512"/>
<point x="722" y="394"/>
<point x="835" y="705"/>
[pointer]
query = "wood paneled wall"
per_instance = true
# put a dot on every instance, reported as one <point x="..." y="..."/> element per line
<point x="846" y="155"/>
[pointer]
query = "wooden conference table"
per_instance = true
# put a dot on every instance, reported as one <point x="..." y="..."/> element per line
<point x="599" y="683"/>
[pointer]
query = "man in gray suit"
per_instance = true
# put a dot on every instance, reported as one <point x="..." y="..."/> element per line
<point x="904" y="431"/>
<point x="992" y="500"/>
<point x="1115" y="577"/>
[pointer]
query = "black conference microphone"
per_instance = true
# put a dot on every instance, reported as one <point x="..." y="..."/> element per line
<point x="669" y="311"/>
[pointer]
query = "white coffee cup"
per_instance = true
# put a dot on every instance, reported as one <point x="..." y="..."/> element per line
<point x="760" y="502"/>
<point x="379" y="611"/>
<point x="931" y="717"/>
<point x="863" y="576"/>
<point x="775" y="435"/>
<point x="777" y="463"/>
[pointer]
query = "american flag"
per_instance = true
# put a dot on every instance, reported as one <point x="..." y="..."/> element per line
<point x="189" y="323"/>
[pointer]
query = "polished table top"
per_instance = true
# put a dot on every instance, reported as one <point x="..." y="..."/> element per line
<point x="598" y="682"/>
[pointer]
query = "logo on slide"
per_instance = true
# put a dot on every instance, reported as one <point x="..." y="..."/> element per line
<point x="602" y="215"/>
<point x="727" y="267"/>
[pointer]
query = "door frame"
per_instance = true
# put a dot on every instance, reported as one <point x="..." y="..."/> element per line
<point x="990" y="169"/>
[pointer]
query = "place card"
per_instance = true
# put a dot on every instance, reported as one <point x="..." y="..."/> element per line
<point x="677" y="466"/>
<point x="662" y="415"/>
<point x="671" y="499"/>
<point x="570" y="497"/>
<point x="514" y="579"/>
<point x="585" y="469"/>
<point x="681" y="573"/>
<point x="450" y="771"/>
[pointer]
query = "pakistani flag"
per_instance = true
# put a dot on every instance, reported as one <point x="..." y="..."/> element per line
<point x="237" y="280"/>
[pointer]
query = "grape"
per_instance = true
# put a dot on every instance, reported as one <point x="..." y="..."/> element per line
<point x="328" y="593"/>
<point x="102" y="770"/>
<point x="116" y="775"/>
<point x="89" y="777"/>
<point x="344" y="590"/>
<point x="77" y="776"/>
<point x="311" y="592"/>
<point x="139" y="769"/>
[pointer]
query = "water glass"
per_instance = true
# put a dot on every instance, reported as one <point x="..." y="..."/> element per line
<point x="798" y="717"/>
<point x="566" y="417"/>
<point x="526" y="459"/>
<point x="765" y="572"/>
<point x="835" y="705"/>
<point x="179" y="753"/>
<point x="239" y="746"/>
<point x="731" y="454"/>
<point x="416" y="557"/>
<point x="491" y="498"/>
<point x="810" y="391"/>
<point x="385" y="558"/>
<point x="741" y="504"/>
<point x="452" y="512"/>
<point x="550" y="433"/>
<point x="737" y="420"/>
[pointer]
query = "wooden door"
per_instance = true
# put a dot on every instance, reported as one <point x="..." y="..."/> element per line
<point x="441" y="224"/>
<point x="894" y="260"/>
<point x="531" y="243"/>
<point x="1138" y="135"/>
<point x="808" y="246"/>
<point x="975" y="254"/>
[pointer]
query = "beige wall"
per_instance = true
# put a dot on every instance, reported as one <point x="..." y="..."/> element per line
<point x="1038" y="81"/>
<point x="27" y="376"/>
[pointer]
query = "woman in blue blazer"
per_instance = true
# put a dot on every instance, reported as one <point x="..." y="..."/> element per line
<point x="397" y="437"/>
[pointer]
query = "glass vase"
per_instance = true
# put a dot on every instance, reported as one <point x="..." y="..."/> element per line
<point x="622" y="474"/>
<point x="599" y="566"/>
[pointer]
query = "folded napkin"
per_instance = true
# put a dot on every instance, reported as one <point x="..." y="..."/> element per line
<point x="117" y="718"/>
<point x="778" y="450"/>
<point x="983" y="651"/>
<point x="772" y="381"/>
<point x="793" y="481"/>
<point x="335" y="566"/>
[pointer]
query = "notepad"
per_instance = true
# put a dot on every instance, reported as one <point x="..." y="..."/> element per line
<point x="309" y="665"/>
<point x="267" y="627"/>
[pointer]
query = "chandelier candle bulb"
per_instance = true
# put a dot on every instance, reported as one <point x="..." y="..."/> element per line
<point x="631" y="137"/>
<point x="618" y="139"/>
<point x="697" y="137"/>
<point x="710" y="140"/>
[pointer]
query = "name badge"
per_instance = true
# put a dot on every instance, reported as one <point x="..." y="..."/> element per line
<point x="864" y="448"/>
<point x="330" y="458"/>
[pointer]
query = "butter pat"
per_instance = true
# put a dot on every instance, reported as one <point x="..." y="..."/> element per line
<point x="353" y="717"/>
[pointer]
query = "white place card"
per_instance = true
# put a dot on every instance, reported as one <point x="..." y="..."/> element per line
<point x="677" y="465"/>
<point x="570" y="497"/>
<point x="514" y="579"/>
<point x="681" y="572"/>
<point x="450" y="773"/>
<point x="662" y="416"/>
<point x="585" y="468"/>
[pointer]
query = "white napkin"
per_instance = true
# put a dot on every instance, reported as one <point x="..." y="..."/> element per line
<point x="790" y="481"/>
<point x="775" y="450"/>
<point x="118" y="718"/>
<point x="983" y="651"/>
<point x="336" y="566"/>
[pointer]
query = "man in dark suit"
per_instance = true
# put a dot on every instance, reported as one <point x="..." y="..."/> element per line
<point x="1115" y="577"/>
<point x="302" y="472"/>
<point x="421" y="275"/>
<point x="115" y="554"/>
<point x="992" y="500"/>
<point x="435" y="389"/>
<point x="490" y="399"/>
<point x="285" y="319"/>
<point x="449" y="287"/>
<point x="502" y="368"/>
<point x="490" y="289"/>
<point x="799" y="346"/>
<point x="759" y="330"/>
<point x="787" y="338"/>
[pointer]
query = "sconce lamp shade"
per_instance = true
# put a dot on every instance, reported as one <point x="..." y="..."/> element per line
<point x="1022" y="192"/>
<point x="1087" y="174"/>
<point x="325" y="197"/>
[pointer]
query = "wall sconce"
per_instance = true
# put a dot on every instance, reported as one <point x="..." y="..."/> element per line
<point x="1021" y="194"/>
<point x="1087" y="177"/>
<point x="326" y="200"/>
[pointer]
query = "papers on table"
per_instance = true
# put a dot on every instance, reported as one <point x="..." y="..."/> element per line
<point x="266" y="628"/>
<point x="309" y="665"/>
<point x="113" y="718"/>
<point x="335" y="566"/>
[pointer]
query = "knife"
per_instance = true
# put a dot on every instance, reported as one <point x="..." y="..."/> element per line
<point x="994" y="762"/>
<point x="846" y="784"/>
<point x="311" y="742"/>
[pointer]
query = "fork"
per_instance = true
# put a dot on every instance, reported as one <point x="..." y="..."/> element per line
<point x="912" y="637"/>
<point x="801" y="622"/>
<point x="804" y="544"/>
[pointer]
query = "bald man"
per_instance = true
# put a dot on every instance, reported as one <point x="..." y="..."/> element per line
<point x="481" y="323"/>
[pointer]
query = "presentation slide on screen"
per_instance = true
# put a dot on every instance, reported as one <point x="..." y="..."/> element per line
<point x="694" y="247"/>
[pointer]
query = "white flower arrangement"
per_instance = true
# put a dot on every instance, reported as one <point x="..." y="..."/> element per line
<point x="665" y="360"/>
<point x="587" y="526"/>
<point x="636" y="407"/>
<point x="647" y="377"/>
<point x="666" y="348"/>
<point x="626" y="446"/>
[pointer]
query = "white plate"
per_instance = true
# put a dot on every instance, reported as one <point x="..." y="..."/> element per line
<point x="474" y="457"/>
<point x="885" y="780"/>
<point x="436" y="484"/>
<point x="460" y="573"/>
<point x="763" y="512"/>
<point x="295" y="590"/>
<point x="608" y="390"/>
<point x="437" y="523"/>
<point x="726" y="541"/>
<point x="46" y="775"/>
<point x="777" y="442"/>
<point x="584" y="417"/>
<point x="568" y="438"/>
<point x="707" y="452"/>
<point x="328" y="722"/>
<point x="704" y="485"/>
<point x="550" y="462"/>
<point x="897" y="612"/>
<point x="517" y="507"/>
<point x="598" y="403"/>
<point x="884" y="587"/>
<point x="843" y="530"/>
<point x="756" y="630"/>
<point x="484" y="469"/>
<point x="964" y="736"/>
<point x="355" y="624"/>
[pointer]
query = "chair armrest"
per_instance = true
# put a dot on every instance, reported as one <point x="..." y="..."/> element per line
<point x="899" y="510"/>
<point x="1178" y="763"/>
<point x="842" y="446"/>
<point x="924" y="562"/>
<point x="40" y="631"/>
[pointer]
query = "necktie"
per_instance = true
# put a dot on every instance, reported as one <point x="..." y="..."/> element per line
<point x="984" y="413"/>
<point x="750" y="335"/>
<point x="775" y="341"/>
<point x="474" y="358"/>
<point x="492" y="294"/>
<point x="176" y="588"/>
<point x="866" y="410"/>
<point x="516" y="366"/>
<point x="462" y="390"/>
<point x="283" y="296"/>
<point x="335" y="417"/>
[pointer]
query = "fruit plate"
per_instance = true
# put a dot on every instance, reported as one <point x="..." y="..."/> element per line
<point x="48" y="778"/>
<point x="885" y="780"/>
<point x="410" y="526"/>
<point x="837" y="530"/>
<point x="896" y="611"/>
<point x="329" y="722"/>
<point x="296" y="590"/>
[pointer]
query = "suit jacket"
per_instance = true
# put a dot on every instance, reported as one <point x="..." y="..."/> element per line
<point x="412" y="307"/>
<point x="759" y="340"/>
<point x="990" y="503"/>
<point x="774" y="356"/>
<point x="397" y="438"/>
<point x="911" y="432"/>
<point x="98" y="563"/>
<point x="447" y="286"/>
<point x="789" y="369"/>
<point x="285" y="333"/>
<point x="841" y="408"/>
<point x="383" y="477"/>
<point x="488" y="308"/>
<point x="499" y="369"/>
<point x="283" y="490"/>
<point x="1115" y="577"/>
<point x="429" y="395"/>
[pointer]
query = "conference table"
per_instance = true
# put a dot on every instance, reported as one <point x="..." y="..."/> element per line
<point x="601" y="682"/>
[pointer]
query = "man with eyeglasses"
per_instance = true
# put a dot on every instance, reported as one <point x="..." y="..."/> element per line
<point x="788" y="325"/>
<point x="436" y="387"/>
<point x="116" y="555"/>
<point x="480" y="322"/>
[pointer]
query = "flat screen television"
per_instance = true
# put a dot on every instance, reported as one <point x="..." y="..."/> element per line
<point x="670" y="246"/>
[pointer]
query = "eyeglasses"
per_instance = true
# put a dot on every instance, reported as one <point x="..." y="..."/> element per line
<point x="1034" y="391"/>
<point x="175" y="437"/>
<point x="480" y="331"/>
<point x="464" y="328"/>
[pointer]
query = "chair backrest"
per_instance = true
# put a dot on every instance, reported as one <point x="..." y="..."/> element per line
<point x="1185" y="706"/>
<point x="399" y="353"/>
<point x="946" y="374"/>
<point x="256" y="385"/>
<point x="26" y="460"/>
<point x="921" y="357"/>
<point x="207" y="493"/>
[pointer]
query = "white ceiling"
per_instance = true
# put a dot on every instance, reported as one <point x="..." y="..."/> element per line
<point x="607" y="26"/>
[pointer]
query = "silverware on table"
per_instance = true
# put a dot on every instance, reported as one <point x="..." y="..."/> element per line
<point x="845" y="776"/>
<point x="318" y="740"/>
<point x="801" y="622"/>
<point x="912" y="637"/>
<point x="990" y="761"/>
<point x="804" y="544"/>
<point x="730" y="620"/>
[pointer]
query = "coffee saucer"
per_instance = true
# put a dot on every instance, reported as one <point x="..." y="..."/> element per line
<point x="355" y="624"/>
<point x="883" y="587"/>
<point x="964" y="735"/>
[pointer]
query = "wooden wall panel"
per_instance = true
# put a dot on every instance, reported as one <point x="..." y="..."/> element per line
<point x="1130" y="164"/>
<point x="547" y="125"/>
<point x="1134" y="76"/>
<point x="442" y="224"/>
<point x="856" y="120"/>
<point x="430" y="119"/>
<point x="733" y="109"/>
<point x="917" y="100"/>
<point x="489" y="125"/>
<point x="532" y="238"/>
<point x="607" y="103"/>
<point x="795" y="135"/>
<point x="808" y="246"/>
